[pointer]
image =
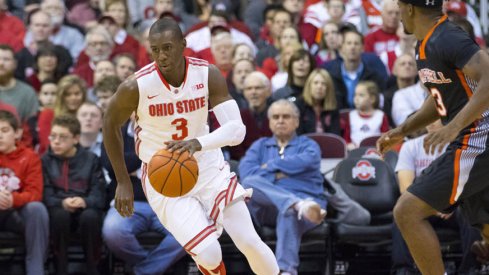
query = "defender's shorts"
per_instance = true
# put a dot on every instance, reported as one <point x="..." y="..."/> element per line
<point x="460" y="176"/>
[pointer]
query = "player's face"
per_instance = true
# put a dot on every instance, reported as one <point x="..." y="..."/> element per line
<point x="166" y="50"/>
<point x="405" y="17"/>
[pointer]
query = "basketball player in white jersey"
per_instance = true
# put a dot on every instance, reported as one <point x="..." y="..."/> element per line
<point x="171" y="98"/>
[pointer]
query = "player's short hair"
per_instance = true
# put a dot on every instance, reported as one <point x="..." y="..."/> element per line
<point x="10" y="118"/>
<point x="68" y="121"/>
<point x="166" y="24"/>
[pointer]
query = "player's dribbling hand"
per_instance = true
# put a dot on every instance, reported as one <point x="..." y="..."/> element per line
<point x="192" y="146"/>
<point x="124" y="199"/>
<point x="389" y="139"/>
<point x="438" y="139"/>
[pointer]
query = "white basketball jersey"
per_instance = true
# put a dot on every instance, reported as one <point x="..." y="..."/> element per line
<point x="364" y="127"/>
<point x="168" y="113"/>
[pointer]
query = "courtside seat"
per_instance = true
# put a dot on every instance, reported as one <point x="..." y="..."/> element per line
<point x="370" y="182"/>
<point x="331" y="145"/>
<point x="369" y="141"/>
<point x="11" y="240"/>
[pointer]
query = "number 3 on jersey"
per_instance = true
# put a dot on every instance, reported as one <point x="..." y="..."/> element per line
<point x="181" y="127"/>
<point x="442" y="111"/>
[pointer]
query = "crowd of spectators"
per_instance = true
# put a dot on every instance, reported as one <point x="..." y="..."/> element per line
<point x="343" y="67"/>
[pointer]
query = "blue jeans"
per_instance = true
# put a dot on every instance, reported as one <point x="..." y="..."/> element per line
<point x="120" y="236"/>
<point x="271" y="205"/>
<point x="36" y="221"/>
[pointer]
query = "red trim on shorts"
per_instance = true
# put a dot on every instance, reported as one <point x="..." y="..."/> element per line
<point x="224" y="194"/>
<point x="215" y="209"/>
<point x="231" y="189"/>
<point x="199" y="237"/>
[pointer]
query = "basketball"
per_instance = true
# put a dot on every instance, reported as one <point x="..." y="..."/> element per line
<point x="173" y="174"/>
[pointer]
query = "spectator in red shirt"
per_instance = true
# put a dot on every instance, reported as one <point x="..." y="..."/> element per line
<point x="99" y="45"/>
<point x="117" y="17"/>
<point x="385" y="38"/>
<point x="46" y="66"/>
<point x="366" y="119"/>
<point x="40" y="29"/>
<point x="12" y="29"/>
<point x="21" y="188"/>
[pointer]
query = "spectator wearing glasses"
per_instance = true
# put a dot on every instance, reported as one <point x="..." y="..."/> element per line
<point x="283" y="171"/>
<point x="74" y="192"/>
<point x="99" y="45"/>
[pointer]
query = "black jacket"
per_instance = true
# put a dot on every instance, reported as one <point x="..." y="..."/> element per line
<point x="330" y="120"/>
<point x="334" y="69"/>
<point x="80" y="175"/>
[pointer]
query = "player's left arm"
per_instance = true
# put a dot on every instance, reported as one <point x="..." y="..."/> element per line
<point x="231" y="131"/>
<point x="477" y="69"/>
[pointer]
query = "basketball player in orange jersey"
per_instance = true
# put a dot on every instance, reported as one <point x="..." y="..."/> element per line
<point x="171" y="98"/>
<point x="456" y="73"/>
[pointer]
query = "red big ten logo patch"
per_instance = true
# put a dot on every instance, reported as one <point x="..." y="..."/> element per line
<point x="363" y="170"/>
<point x="197" y="87"/>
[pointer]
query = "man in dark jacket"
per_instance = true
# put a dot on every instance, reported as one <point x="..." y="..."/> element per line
<point x="351" y="69"/>
<point x="74" y="192"/>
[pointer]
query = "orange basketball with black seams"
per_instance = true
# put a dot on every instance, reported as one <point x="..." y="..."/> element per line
<point x="173" y="174"/>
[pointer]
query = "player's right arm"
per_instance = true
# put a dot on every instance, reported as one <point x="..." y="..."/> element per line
<point x="426" y="115"/>
<point x="122" y="104"/>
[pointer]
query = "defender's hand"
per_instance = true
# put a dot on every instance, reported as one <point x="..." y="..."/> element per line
<point x="438" y="139"/>
<point x="389" y="139"/>
<point x="124" y="199"/>
<point x="192" y="146"/>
